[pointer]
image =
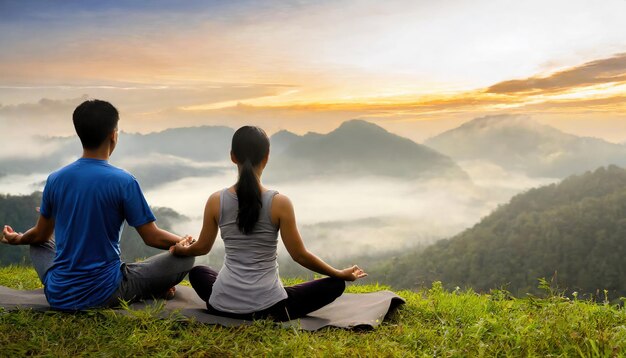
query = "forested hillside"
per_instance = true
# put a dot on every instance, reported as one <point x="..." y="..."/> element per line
<point x="573" y="232"/>
<point x="20" y="213"/>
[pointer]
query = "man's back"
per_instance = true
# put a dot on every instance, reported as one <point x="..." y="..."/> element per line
<point x="85" y="205"/>
<point x="89" y="201"/>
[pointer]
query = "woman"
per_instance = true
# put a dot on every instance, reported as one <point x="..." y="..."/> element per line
<point x="249" y="217"/>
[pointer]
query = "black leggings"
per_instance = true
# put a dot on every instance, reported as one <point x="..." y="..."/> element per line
<point x="301" y="299"/>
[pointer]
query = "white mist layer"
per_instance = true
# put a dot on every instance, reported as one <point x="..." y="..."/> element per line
<point x="22" y="184"/>
<point x="343" y="218"/>
<point x="340" y="218"/>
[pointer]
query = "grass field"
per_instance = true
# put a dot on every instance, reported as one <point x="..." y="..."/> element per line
<point x="433" y="323"/>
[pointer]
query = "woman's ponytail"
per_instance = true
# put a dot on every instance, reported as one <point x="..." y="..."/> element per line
<point x="249" y="147"/>
<point x="249" y="198"/>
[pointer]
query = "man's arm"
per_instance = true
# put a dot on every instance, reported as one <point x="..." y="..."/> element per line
<point x="40" y="233"/>
<point x="153" y="236"/>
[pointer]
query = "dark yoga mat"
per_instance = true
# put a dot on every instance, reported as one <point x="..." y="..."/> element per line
<point x="363" y="310"/>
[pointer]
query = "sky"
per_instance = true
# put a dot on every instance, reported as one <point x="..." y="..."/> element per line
<point x="417" y="68"/>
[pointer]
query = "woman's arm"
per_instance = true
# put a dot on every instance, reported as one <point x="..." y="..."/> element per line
<point x="208" y="233"/>
<point x="283" y="214"/>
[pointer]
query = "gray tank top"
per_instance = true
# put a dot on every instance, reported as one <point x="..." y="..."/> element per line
<point x="248" y="281"/>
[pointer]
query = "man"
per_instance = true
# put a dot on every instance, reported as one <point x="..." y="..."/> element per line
<point x="86" y="204"/>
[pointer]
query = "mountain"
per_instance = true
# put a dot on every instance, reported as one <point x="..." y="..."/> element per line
<point x="162" y="157"/>
<point x="574" y="230"/>
<point x="356" y="148"/>
<point x="281" y="140"/>
<point x="202" y="144"/>
<point x="19" y="212"/>
<point x="517" y="143"/>
<point x="154" y="158"/>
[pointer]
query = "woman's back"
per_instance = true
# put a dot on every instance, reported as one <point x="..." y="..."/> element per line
<point x="248" y="280"/>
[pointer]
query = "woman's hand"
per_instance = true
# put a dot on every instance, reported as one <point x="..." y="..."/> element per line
<point x="181" y="247"/>
<point x="351" y="273"/>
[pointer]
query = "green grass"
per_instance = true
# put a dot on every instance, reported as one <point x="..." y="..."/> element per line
<point x="434" y="322"/>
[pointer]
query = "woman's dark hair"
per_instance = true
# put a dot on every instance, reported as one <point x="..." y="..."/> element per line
<point x="94" y="121"/>
<point x="249" y="147"/>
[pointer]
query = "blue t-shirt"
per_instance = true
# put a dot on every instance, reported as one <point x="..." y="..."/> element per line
<point x="89" y="201"/>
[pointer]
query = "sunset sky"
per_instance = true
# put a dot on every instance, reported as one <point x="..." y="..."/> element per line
<point x="414" y="67"/>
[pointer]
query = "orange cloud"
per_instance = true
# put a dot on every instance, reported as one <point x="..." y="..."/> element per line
<point x="609" y="70"/>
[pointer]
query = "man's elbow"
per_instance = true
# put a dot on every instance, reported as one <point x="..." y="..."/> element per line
<point x="151" y="241"/>
<point x="40" y="237"/>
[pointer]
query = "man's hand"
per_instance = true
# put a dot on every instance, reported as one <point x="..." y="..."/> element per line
<point x="352" y="273"/>
<point x="9" y="236"/>
<point x="180" y="249"/>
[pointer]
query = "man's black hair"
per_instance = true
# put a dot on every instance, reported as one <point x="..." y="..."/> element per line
<point x="94" y="121"/>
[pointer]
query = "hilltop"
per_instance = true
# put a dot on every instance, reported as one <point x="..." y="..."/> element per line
<point x="434" y="322"/>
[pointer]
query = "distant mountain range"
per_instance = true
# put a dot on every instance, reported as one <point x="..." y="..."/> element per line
<point x="154" y="158"/>
<point x="356" y="148"/>
<point x="573" y="231"/>
<point x="517" y="143"/>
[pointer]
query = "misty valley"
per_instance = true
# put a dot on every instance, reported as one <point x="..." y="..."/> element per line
<point x="498" y="202"/>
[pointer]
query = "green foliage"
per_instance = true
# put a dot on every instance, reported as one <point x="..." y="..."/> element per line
<point x="19" y="277"/>
<point x="572" y="232"/>
<point x="19" y="212"/>
<point x="434" y="322"/>
<point x="132" y="246"/>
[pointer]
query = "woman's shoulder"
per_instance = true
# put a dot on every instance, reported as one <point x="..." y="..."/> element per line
<point x="217" y="194"/>
<point x="281" y="202"/>
<point x="214" y="199"/>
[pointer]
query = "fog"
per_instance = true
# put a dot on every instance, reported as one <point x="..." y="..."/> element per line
<point x="343" y="218"/>
<point x="340" y="218"/>
<point x="22" y="184"/>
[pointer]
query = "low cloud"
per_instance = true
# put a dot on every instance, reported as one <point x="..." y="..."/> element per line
<point x="46" y="117"/>
<point x="341" y="218"/>
<point x="598" y="104"/>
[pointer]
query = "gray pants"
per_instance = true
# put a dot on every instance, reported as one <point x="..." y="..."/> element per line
<point x="145" y="279"/>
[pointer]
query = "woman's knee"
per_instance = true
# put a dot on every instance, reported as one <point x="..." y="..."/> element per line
<point x="195" y="274"/>
<point x="200" y="274"/>
<point x="202" y="279"/>
<point x="337" y="286"/>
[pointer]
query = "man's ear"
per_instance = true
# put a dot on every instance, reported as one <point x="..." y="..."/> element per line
<point x="113" y="138"/>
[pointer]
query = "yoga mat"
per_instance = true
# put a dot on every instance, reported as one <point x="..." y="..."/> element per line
<point x="362" y="310"/>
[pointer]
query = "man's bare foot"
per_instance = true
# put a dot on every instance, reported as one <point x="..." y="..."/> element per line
<point x="169" y="294"/>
